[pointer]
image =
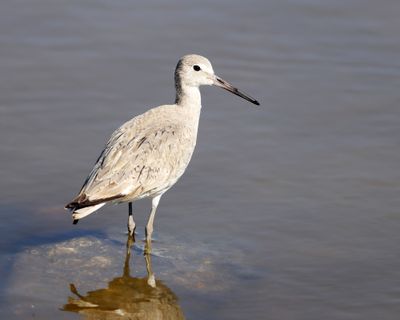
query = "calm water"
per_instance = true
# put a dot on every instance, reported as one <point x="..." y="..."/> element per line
<point x="289" y="211"/>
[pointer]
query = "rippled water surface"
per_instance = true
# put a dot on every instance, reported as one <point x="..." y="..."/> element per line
<point x="287" y="211"/>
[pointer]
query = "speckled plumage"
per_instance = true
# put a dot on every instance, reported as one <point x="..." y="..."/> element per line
<point x="149" y="153"/>
<point x="144" y="157"/>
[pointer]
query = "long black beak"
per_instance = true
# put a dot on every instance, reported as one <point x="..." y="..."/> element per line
<point x="227" y="86"/>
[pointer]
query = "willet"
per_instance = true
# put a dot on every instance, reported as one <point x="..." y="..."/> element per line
<point x="148" y="154"/>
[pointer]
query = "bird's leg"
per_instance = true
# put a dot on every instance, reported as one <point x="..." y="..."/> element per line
<point x="151" y="280"/>
<point x="131" y="223"/>
<point x="129" y="244"/>
<point x="149" y="226"/>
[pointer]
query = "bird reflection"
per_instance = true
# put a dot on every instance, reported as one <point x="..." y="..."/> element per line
<point x="127" y="297"/>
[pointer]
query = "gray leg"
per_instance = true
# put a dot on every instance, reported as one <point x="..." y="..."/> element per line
<point x="151" y="280"/>
<point x="149" y="227"/>
<point x="131" y="222"/>
<point x="129" y="244"/>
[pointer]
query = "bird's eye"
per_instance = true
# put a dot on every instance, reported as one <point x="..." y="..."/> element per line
<point x="196" y="68"/>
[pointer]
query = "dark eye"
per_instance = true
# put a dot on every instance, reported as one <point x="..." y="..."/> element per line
<point x="196" y="68"/>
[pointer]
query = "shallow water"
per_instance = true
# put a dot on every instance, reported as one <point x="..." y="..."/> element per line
<point x="288" y="211"/>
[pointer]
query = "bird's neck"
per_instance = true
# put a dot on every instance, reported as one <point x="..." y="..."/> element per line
<point x="188" y="96"/>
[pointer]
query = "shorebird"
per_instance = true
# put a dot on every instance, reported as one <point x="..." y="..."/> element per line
<point x="148" y="154"/>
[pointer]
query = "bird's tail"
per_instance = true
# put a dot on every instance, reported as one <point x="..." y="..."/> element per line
<point x="83" y="212"/>
<point x="81" y="206"/>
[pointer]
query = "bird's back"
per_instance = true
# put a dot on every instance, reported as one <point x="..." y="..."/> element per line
<point x="144" y="157"/>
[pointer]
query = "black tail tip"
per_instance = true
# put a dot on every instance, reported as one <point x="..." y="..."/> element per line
<point x="75" y="221"/>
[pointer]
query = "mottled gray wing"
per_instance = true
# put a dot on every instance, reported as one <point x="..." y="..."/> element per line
<point x="138" y="161"/>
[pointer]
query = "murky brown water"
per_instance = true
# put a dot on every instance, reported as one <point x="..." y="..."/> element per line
<point x="290" y="211"/>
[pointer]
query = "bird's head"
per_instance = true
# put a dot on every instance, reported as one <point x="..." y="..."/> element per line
<point x="194" y="70"/>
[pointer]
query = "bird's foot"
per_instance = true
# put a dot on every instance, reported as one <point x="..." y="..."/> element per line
<point x="131" y="226"/>
<point x="147" y="247"/>
<point x="130" y="242"/>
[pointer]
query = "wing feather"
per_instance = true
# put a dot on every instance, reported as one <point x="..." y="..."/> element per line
<point x="138" y="159"/>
